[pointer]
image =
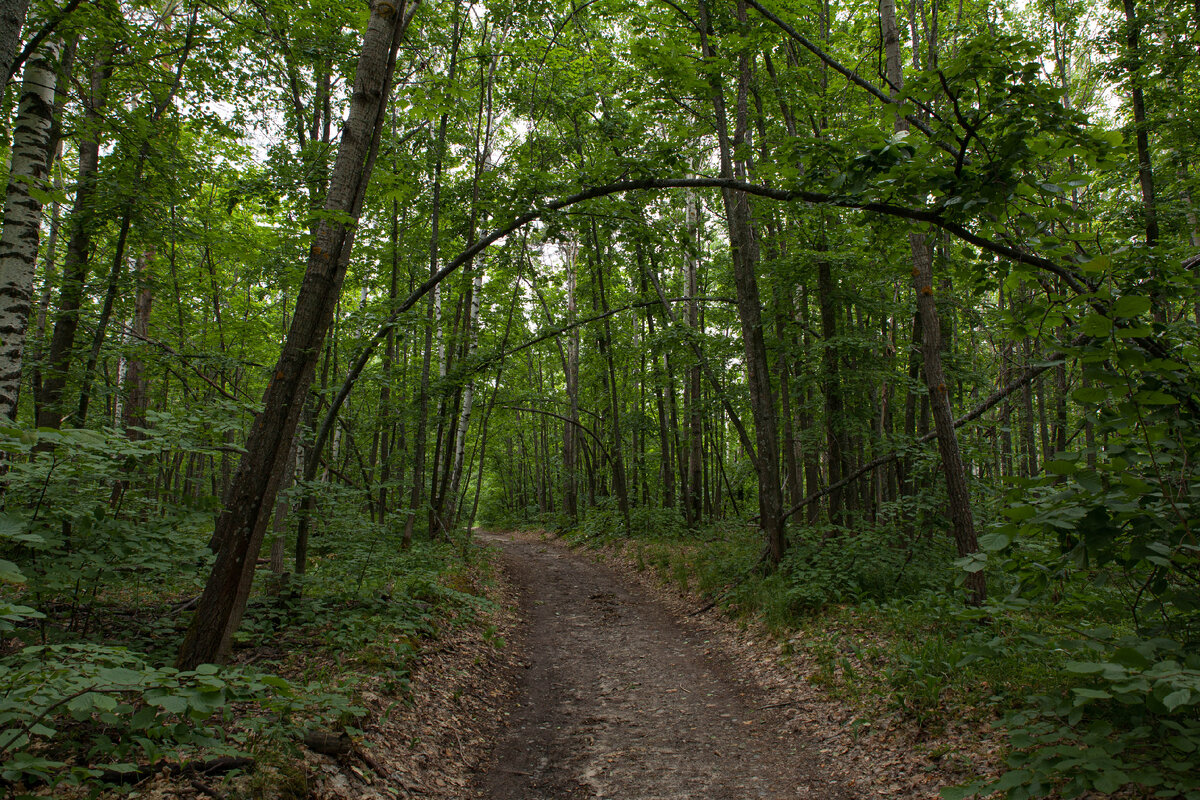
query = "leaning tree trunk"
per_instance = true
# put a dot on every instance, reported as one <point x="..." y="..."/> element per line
<point x="931" y="346"/>
<point x="248" y="503"/>
<point x="23" y="218"/>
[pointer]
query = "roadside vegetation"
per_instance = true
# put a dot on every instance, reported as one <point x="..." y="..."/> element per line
<point x="92" y="620"/>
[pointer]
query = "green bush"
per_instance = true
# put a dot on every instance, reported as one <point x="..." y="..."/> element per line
<point x="70" y="713"/>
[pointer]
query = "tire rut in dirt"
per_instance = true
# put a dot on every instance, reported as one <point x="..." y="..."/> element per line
<point x="617" y="700"/>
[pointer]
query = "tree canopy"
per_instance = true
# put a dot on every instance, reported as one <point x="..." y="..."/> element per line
<point x="914" y="281"/>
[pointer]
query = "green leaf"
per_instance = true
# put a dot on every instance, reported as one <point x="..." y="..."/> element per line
<point x="994" y="541"/>
<point x="1019" y="513"/>
<point x="1084" y="695"/>
<point x="1150" y="397"/>
<point x="1131" y="305"/>
<point x="1090" y="395"/>
<point x="169" y="703"/>
<point x="1011" y="780"/>
<point x="120" y="676"/>
<point x="144" y="718"/>
<point x="10" y="573"/>
<point x="1111" y="780"/>
<point x="1176" y="698"/>
<point x="1130" y="657"/>
<point x="1096" y="325"/>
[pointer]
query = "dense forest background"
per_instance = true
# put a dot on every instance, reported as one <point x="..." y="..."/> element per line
<point x="888" y="309"/>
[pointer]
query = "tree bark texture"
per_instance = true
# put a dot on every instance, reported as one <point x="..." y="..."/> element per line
<point x="943" y="417"/>
<point x="12" y="20"/>
<point x="23" y="217"/>
<point x="248" y="503"/>
<point x="745" y="256"/>
<point x="957" y="492"/>
<point x="76" y="259"/>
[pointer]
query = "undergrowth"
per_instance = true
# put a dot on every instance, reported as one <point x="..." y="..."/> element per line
<point x="1086" y="699"/>
<point x="95" y="589"/>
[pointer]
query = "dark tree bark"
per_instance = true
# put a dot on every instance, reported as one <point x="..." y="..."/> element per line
<point x="832" y="384"/>
<point x="248" y="503"/>
<point x="745" y="256"/>
<point x="618" y="458"/>
<point x="12" y="20"/>
<point x="570" y="432"/>
<point x="957" y="491"/>
<point x="137" y="394"/>
<point x="1133" y="58"/>
<point x="76" y="260"/>
<point x="417" y="497"/>
<point x="691" y="390"/>
<point x="931" y="347"/>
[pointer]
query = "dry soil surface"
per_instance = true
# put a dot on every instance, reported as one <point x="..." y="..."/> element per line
<point x="617" y="699"/>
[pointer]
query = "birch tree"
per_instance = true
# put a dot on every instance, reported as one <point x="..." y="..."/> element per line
<point x="23" y="217"/>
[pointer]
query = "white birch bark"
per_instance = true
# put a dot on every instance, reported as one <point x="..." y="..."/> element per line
<point x="23" y="218"/>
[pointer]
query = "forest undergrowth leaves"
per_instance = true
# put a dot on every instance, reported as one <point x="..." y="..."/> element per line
<point x="1078" y="707"/>
<point x="91" y="621"/>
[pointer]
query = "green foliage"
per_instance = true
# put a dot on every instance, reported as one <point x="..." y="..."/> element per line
<point x="1128" y="720"/>
<point x="59" y="701"/>
<point x="827" y="565"/>
<point x="90" y="571"/>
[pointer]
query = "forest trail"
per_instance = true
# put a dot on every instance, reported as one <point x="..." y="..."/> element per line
<point x="616" y="699"/>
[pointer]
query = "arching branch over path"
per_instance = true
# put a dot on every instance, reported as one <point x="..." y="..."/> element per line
<point x="248" y="505"/>
<point x="652" y="184"/>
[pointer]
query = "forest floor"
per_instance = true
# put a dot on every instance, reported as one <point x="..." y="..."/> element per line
<point x="623" y="693"/>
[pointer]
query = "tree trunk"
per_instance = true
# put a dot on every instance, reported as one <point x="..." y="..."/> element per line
<point x="30" y="158"/>
<point x="691" y="391"/>
<point x="12" y="20"/>
<point x="241" y="526"/>
<point x="618" y="458"/>
<point x="432" y="317"/>
<point x="385" y="389"/>
<point x="745" y="256"/>
<point x="931" y="345"/>
<point x="570" y="429"/>
<point x="137" y="402"/>
<point x="943" y="417"/>
<point x="832" y="385"/>
<point x="468" y="400"/>
<point x="75" y="262"/>
<point x="1133" y="58"/>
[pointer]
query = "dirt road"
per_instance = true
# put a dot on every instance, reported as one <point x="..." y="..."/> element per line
<point x="618" y="700"/>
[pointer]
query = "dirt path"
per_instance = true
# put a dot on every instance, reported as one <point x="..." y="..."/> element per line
<point x="617" y="700"/>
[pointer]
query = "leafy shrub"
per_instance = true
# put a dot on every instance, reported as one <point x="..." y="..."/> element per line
<point x="1132" y="720"/>
<point x="827" y="565"/>
<point x="59" y="701"/>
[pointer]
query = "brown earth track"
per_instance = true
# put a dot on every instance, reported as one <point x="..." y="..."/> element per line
<point x="616" y="699"/>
